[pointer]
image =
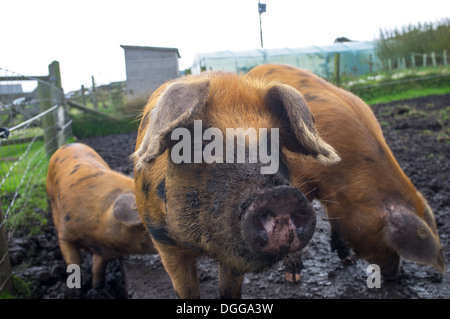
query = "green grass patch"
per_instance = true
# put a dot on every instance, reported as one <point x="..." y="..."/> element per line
<point x="409" y="94"/>
<point x="21" y="289"/>
<point x="87" y="125"/>
<point x="400" y="85"/>
<point x="23" y="170"/>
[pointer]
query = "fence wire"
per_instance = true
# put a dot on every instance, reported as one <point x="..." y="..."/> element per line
<point x="27" y="105"/>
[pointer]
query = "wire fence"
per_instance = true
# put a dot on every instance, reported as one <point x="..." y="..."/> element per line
<point x="33" y="123"/>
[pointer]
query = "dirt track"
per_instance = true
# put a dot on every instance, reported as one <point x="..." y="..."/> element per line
<point x="414" y="130"/>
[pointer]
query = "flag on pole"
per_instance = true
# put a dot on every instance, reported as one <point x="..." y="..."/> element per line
<point x="261" y="7"/>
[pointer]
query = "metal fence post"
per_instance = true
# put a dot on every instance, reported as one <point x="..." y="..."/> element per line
<point x="6" y="283"/>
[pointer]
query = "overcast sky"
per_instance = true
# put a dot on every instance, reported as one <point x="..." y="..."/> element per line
<point x="85" y="36"/>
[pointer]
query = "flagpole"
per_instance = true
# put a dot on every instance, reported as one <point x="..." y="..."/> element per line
<point x="261" y="9"/>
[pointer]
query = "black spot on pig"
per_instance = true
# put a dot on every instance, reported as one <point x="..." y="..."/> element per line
<point x="67" y="145"/>
<point x="158" y="233"/>
<point x="89" y="176"/>
<point x="193" y="198"/>
<point x="310" y="97"/>
<point x="75" y="169"/>
<point x="161" y="189"/>
<point x="270" y="71"/>
<point x="146" y="188"/>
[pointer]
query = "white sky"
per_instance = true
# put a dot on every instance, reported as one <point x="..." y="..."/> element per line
<point x="85" y="36"/>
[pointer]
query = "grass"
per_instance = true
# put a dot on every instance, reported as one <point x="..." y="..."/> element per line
<point x="86" y="126"/>
<point x="21" y="289"/>
<point x="410" y="94"/>
<point x="400" y="84"/>
<point x="24" y="170"/>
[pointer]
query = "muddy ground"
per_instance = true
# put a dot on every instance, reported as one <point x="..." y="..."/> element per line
<point x="417" y="132"/>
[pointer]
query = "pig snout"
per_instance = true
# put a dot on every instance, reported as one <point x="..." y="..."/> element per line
<point x="279" y="221"/>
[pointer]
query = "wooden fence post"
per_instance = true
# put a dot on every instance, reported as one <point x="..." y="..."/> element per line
<point x="60" y="111"/>
<point x="424" y="59"/>
<point x="413" y="60"/>
<point x="370" y="64"/>
<point x="49" y="95"/>
<point x="6" y="283"/>
<point x="83" y="96"/>
<point x="337" y="58"/>
<point x="94" y="94"/>
<point x="54" y="73"/>
<point x="433" y="59"/>
<point x="48" y="121"/>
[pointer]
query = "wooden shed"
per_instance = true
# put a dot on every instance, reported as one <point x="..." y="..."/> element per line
<point x="149" y="67"/>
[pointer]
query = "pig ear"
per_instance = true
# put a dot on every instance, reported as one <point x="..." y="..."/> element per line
<point x="176" y="107"/>
<point x="290" y="107"/>
<point x="125" y="210"/>
<point x="413" y="239"/>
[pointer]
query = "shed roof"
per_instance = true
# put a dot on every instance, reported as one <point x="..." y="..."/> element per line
<point x="151" y="48"/>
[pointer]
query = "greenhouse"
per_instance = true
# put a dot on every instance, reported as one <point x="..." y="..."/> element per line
<point x="355" y="58"/>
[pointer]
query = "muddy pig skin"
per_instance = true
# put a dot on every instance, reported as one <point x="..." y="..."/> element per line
<point x="93" y="208"/>
<point x="229" y="211"/>
<point x="372" y="205"/>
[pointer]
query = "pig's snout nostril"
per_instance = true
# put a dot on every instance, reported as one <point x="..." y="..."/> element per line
<point x="280" y="221"/>
<point x="297" y="219"/>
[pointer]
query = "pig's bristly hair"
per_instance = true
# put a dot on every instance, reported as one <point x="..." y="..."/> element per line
<point x="186" y="97"/>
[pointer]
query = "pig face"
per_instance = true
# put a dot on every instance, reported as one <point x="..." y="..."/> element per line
<point x="237" y="215"/>
<point x="221" y="199"/>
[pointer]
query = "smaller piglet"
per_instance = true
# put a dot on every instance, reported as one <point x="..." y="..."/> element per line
<point x="93" y="208"/>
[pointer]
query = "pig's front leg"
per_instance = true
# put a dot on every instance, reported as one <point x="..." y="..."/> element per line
<point x="70" y="252"/>
<point x="293" y="265"/>
<point x="98" y="270"/>
<point x="230" y="283"/>
<point x="181" y="265"/>
<point x="339" y="245"/>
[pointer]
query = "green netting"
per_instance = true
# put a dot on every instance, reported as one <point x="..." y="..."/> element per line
<point x="355" y="58"/>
